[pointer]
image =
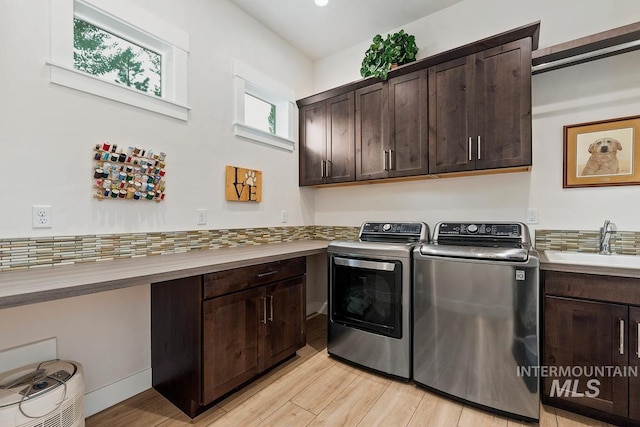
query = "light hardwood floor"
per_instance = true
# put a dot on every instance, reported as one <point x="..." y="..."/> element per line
<point x="312" y="389"/>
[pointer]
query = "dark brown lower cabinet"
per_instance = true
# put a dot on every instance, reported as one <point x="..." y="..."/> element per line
<point x="585" y="334"/>
<point x="230" y="342"/>
<point x="634" y="363"/>
<point x="285" y="332"/>
<point x="590" y="347"/>
<point x="211" y="334"/>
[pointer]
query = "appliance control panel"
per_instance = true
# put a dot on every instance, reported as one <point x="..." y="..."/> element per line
<point x="506" y="230"/>
<point x="397" y="232"/>
<point x="392" y="227"/>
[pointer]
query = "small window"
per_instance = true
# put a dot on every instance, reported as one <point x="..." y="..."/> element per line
<point x="98" y="52"/>
<point x="119" y="51"/>
<point x="259" y="114"/>
<point x="265" y="109"/>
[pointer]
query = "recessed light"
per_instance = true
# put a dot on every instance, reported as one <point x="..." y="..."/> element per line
<point x="321" y="2"/>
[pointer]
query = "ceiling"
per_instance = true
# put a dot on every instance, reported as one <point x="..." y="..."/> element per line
<point x="321" y="31"/>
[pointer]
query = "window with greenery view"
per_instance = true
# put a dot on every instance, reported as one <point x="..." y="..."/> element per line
<point x="259" y="114"/>
<point x="103" y="54"/>
<point x="265" y="109"/>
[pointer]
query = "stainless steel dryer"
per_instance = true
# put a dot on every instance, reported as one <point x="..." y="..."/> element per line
<point x="476" y="316"/>
<point x="370" y="296"/>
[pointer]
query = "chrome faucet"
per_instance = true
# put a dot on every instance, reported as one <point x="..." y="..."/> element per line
<point x="605" y="235"/>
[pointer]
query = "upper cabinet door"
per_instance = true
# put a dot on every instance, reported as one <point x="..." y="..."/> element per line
<point x="480" y="110"/>
<point x="313" y="143"/>
<point x="372" y="139"/>
<point x="408" y="122"/>
<point x="503" y="106"/>
<point x="340" y="165"/>
<point x="451" y="125"/>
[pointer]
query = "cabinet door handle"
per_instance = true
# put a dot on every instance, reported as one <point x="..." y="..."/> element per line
<point x="479" y="144"/>
<point x="638" y="341"/>
<point x="621" y="349"/>
<point x="385" y="160"/>
<point x="327" y="168"/>
<point x="264" y="310"/>
<point x="470" y="158"/>
<point x="391" y="160"/>
<point x="323" y="168"/>
<point x="268" y="273"/>
<point x="271" y="308"/>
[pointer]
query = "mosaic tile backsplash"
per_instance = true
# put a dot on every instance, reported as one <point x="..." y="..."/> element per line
<point x="622" y="242"/>
<point x="36" y="252"/>
<point x="23" y="253"/>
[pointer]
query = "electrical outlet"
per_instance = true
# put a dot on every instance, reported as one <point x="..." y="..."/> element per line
<point x="284" y="217"/>
<point x="41" y="216"/>
<point x="202" y="217"/>
<point x="532" y="216"/>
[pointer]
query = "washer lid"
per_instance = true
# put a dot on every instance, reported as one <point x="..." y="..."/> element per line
<point x="31" y="381"/>
<point x="475" y="252"/>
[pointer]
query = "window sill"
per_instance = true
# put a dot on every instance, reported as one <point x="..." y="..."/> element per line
<point x="87" y="83"/>
<point x="258" y="135"/>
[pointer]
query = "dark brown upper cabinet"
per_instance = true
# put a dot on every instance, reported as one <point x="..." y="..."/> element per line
<point x="466" y="109"/>
<point x="408" y="125"/>
<point x="372" y="139"/>
<point x="391" y="128"/>
<point x="327" y="141"/>
<point x="480" y="110"/>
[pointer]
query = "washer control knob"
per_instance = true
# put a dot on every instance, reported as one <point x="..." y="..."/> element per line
<point x="386" y="227"/>
<point x="472" y="228"/>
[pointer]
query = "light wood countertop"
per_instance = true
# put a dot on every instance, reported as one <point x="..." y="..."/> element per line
<point x="49" y="283"/>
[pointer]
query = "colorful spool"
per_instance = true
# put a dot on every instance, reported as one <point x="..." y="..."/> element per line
<point x="128" y="173"/>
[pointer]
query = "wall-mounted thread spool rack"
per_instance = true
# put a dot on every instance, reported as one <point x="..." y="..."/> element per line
<point x="135" y="173"/>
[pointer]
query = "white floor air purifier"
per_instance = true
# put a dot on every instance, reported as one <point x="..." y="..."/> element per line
<point x="45" y="394"/>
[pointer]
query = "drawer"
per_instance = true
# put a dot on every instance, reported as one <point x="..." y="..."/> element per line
<point x="614" y="289"/>
<point x="228" y="281"/>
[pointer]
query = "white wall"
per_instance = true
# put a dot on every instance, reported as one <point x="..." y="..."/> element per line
<point x="47" y="133"/>
<point x="107" y="333"/>
<point x="594" y="91"/>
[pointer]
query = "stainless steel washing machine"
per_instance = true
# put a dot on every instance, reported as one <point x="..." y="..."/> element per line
<point x="475" y="313"/>
<point x="370" y="296"/>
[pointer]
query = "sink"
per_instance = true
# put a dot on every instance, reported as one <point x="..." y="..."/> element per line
<point x="584" y="258"/>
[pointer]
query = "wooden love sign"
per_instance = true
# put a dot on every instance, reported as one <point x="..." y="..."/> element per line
<point x="243" y="185"/>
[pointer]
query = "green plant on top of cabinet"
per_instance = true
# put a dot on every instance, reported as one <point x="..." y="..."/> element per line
<point x="398" y="48"/>
<point x="326" y="141"/>
<point x="480" y="110"/>
<point x="391" y="128"/>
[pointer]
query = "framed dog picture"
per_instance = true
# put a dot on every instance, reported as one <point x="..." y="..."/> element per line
<point x="602" y="153"/>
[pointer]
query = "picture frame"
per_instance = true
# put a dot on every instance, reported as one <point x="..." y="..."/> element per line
<point x="602" y="153"/>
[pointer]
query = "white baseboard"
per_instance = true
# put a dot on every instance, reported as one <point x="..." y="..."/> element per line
<point x="316" y="307"/>
<point x="112" y="394"/>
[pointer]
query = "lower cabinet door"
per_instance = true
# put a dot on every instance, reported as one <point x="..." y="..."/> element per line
<point x="634" y="363"/>
<point x="579" y="337"/>
<point x="286" y="331"/>
<point x="232" y="331"/>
